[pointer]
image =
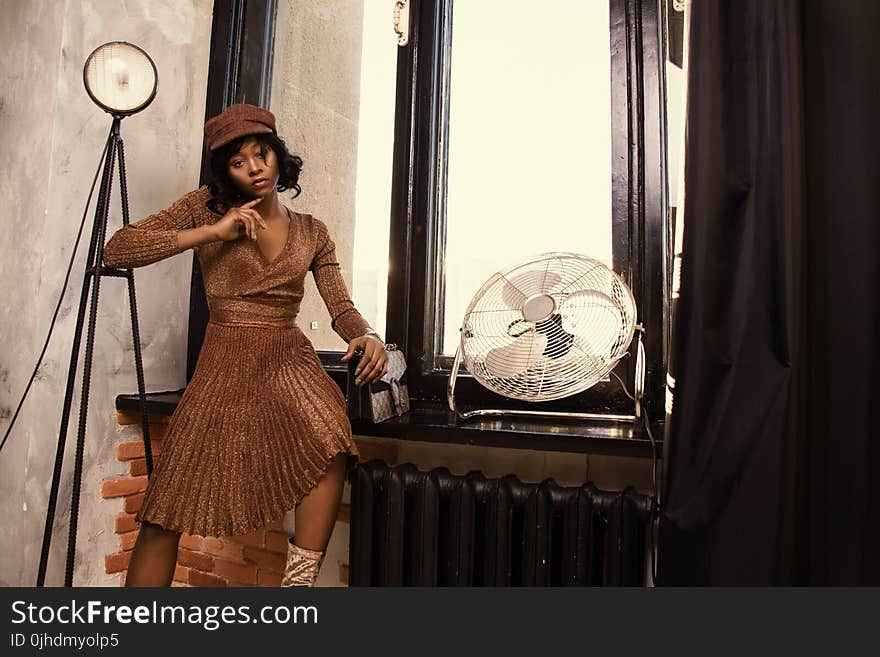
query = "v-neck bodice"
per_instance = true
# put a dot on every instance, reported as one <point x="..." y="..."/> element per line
<point x="243" y="287"/>
<point x="284" y="246"/>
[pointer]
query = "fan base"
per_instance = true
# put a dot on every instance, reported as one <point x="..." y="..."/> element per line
<point x="566" y="415"/>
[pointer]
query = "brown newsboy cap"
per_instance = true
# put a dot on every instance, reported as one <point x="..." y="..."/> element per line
<point x="236" y="121"/>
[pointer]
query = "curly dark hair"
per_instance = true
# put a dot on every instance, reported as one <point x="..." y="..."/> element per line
<point x="224" y="192"/>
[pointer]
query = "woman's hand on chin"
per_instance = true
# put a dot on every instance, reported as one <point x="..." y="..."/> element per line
<point x="229" y="226"/>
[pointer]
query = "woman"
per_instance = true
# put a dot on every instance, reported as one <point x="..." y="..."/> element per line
<point x="261" y="428"/>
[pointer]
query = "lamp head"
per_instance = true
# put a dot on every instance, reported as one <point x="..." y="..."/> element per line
<point x="120" y="78"/>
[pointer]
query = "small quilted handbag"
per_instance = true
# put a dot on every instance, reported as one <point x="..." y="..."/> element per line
<point x="377" y="401"/>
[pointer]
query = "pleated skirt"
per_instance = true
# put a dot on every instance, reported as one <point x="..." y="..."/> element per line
<point x="255" y="430"/>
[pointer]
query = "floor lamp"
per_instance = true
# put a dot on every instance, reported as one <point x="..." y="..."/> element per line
<point x="121" y="79"/>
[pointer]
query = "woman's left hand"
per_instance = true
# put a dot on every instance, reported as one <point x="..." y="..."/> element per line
<point x="374" y="362"/>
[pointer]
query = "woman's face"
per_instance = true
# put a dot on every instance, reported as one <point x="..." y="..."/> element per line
<point x="254" y="169"/>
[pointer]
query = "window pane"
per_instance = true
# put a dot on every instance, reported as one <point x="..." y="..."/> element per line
<point x="529" y="134"/>
<point x="333" y="94"/>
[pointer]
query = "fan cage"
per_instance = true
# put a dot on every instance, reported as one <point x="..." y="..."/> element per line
<point x="548" y="328"/>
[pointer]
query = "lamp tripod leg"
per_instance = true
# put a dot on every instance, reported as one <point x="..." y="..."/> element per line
<point x="103" y="201"/>
<point x="62" y="435"/>
<point x="96" y="250"/>
<point x="92" y="271"/>
<point x="81" y="435"/>
<point x="135" y="330"/>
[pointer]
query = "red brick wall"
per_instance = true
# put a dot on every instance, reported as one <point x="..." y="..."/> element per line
<point x="253" y="560"/>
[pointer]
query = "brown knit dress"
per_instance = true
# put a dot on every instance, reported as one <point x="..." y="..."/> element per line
<point x="260" y="419"/>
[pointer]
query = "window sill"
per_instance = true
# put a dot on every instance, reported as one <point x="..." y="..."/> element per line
<point x="433" y="422"/>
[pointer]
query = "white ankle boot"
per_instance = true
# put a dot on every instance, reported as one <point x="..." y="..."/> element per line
<point x="302" y="565"/>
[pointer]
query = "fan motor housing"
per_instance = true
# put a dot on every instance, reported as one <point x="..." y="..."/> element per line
<point x="538" y="307"/>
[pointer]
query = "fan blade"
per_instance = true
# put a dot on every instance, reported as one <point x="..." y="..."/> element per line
<point x="595" y="318"/>
<point x="558" y="339"/>
<point x="513" y="359"/>
<point x="521" y="286"/>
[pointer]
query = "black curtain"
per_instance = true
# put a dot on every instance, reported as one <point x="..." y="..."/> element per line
<point x="772" y="447"/>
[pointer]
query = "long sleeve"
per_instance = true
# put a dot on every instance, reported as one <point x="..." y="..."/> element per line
<point x="153" y="238"/>
<point x="344" y="317"/>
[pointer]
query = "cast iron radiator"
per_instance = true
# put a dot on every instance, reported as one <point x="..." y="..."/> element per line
<point x="415" y="528"/>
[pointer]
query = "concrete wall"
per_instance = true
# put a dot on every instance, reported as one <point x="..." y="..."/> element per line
<point x="52" y="135"/>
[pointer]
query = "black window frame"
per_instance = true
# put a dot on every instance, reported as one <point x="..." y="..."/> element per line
<point x="240" y="71"/>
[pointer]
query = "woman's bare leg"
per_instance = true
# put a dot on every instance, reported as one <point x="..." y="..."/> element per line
<point x="154" y="557"/>
<point x="315" y="515"/>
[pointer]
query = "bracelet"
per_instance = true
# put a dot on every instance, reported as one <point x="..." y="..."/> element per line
<point x="376" y="333"/>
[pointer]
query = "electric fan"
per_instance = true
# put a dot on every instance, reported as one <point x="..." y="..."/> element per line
<point x="546" y="329"/>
